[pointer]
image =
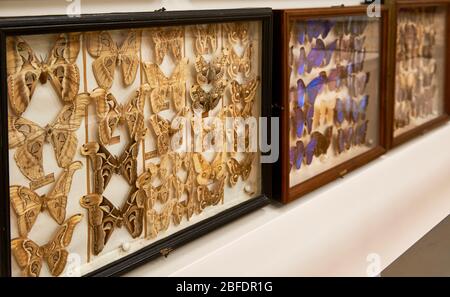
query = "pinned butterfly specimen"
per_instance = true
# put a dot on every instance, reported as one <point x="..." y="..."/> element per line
<point x="207" y="101"/>
<point x="314" y="87"/>
<point x="205" y="38"/>
<point x="357" y="83"/>
<point x="309" y="117"/>
<point x="160" y="221"/>
<point x="29" y="256"/>
<point x="298" y="62"/>
<point x="296" y="154"/>
<point x="108" y="54"/>
<point x="336" y="78"/>
<point x="402" y="114"/>
<point x="240" y="64"/>
<point x="110" y="114"/>
<point x="323" y="141"/>
<point x="104" y="164"/>
<point x="344" y="139"/>
<point x="312" y="29"/>
<point x="164" y="87"/>
<point x="300" y="153"/>
<point x="168" y="40"/>
<point x="244" y="94"/>
<point x="25" y="70"/>
<point x="208" y="171"/>
<point x="213" y="71"/>
<point x="325" y="113"/>
<point x="360" y="133"/>
<point x="298" y="120"/>
<point x="320" y="56"/>
<point x="29" y="138"/>
<point x="104" y="217"/>
<point x="27" y="204"/>
<point x="344" y="48"/>
<point x="240" y="169"/>
<point x="163" y="130"/>
<point x="237" y="32"/>
<point x="206" y="197"/>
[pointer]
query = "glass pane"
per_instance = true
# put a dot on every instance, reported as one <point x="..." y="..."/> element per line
<point x="420" y="67"/>
<point x="333" y="92"/>
<point x="113" y="138"/>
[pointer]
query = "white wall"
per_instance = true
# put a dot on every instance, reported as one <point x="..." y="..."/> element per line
<point x="382" y="208"/>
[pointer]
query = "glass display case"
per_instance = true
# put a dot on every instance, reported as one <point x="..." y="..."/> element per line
<point x="119" y="147"/>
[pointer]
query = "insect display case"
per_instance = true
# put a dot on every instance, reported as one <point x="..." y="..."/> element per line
<point x="127" y="135"/>
<point x="419" y="92"/>
<point x="330" y="87"/>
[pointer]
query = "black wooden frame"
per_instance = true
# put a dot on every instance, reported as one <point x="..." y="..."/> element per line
<point x="94" y="22"/>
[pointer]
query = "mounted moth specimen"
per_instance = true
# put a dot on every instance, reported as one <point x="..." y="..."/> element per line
<point x="240" y="64"/>
<point x="208" y="171"/>
<point x="160" y="221"/>
<point x="207" y="101"/>
<point x="24" y="70"/>
<point x="108" y="55"/>
<point x="110" y="114"/>
<point x="104" y="217"/>
<point x="237" y="33"/>
<point x="213" y="71"/>
<point x="29" y="138"/>
<point x="238" y="169"/>
<point x="243" y="97"/>
<point x="164" y="130"/>
<point x="206" y="197"/>
<point x="186" y="206"/>
<point x="205" y="38"/>
<point x="29" y="255"/>
<point x="27" y="204"/>
<point x="105" y="164"/>
<point x="168" y="40"/>
<point x="164" y="87"/>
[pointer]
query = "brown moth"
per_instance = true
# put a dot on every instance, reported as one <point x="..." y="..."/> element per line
<point x="29" y="255"/>
<point x="205" y="38"/>
<point x="104" y="217"/>
<point x="243" y="97"/>
<point x="237" y="32"/>
<point x="213" y="71"/>
<point x="108" y="55"/>
<point x="29" y="138"/>
<point x="206" y="101"/>
<point x="168" y="40"/>
<point x="164" y="129"/>
<point x="25" y="70"/>
<point x="164" y="88"/>
<point x="240" y="64"/>
<point x="110" y="114"/>
<point x="208" y="171"/>
<point x="238" y="169"/>
<point x="160" y="221"/>
<point x="105" y="164"/>
<point x="206" y="197"/>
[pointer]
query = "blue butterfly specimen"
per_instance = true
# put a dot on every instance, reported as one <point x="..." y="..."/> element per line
<point x="314" y="87"/>
<point x="319" y="55"/>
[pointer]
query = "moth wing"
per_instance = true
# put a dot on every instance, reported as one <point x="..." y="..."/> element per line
<point x="56" y="255"/>
<point x="26" y="205"/>
<point x="130" y="59"/>
<point x="28" y="256"/>
<point x="57" y="199"/>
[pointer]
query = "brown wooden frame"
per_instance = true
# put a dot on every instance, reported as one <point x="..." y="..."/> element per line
<point x="282" y="19"/>
<point x="394" y="7"/>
